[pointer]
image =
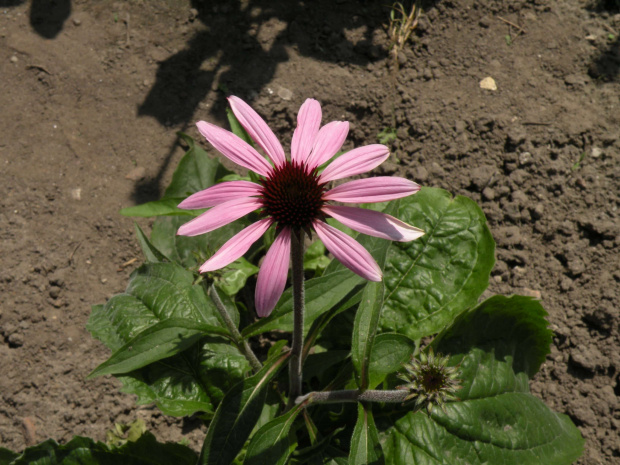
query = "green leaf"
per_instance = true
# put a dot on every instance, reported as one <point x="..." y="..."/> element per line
<point x="504" y="325"/>
<point x="191" y="381"/>
<point x="236" y="127"/>
<point x="367" y="316"/>
<point x="237" y="414"/>
<point x="163" y="207"/>
<point x="151" y="254"/>
<point x="84" y="451"/>
<point x="274" y="442"/>
<point x="321" y="451"/>
<point x="322" y="294"/>
<point x="195" y="172"/>
<point x="315" y="258"/>
<point x="498" y="344"/>
<point x="389" y="352"/>
<point x="191" y="251"/>
<point x="235" y="275"/>
<point x="365" y="446"/>
<point x="162" y="340"/>
<point x="364" y="330"/>
<point x="318" y="364"/>
<point x="431" y="280"/>
<point x="7" y="456"/>
<point x="123" y="433"/>
<point x="156" y="292"/>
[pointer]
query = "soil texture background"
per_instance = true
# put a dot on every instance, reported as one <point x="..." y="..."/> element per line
<point x="92" y="94"/>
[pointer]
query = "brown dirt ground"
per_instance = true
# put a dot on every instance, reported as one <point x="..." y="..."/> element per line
<point x="92" y="93"/>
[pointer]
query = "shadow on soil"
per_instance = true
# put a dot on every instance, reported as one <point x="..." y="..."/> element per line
<point x="606" y="67"/>
<point x="232" y="56"/>
<point x="47" y="17"/>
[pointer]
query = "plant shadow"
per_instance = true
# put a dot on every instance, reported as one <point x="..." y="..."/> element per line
<point x="239" y="50"/>
<point x="606" y="66"/>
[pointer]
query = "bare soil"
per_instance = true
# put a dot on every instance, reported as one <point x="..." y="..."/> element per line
<point x="93" y="92"/>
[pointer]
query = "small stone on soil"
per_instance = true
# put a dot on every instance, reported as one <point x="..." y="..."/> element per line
<point x="136" y="174"/>
<point x="488" y="83"/>
<point x="596" y="152"/>
<point x="16" y="340"/>
<point x="531" y="293"/>
<point x="285" y="94"/>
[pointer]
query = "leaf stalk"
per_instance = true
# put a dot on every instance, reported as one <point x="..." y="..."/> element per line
<point x="237" y="337"/>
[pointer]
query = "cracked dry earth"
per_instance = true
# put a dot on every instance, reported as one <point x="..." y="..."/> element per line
<point x="93" y="92"/>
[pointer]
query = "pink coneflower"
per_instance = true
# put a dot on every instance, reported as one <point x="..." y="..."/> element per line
<point x="294" y="196"/>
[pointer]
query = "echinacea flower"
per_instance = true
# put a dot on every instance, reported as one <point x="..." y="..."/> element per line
<point x="293" y="195"/>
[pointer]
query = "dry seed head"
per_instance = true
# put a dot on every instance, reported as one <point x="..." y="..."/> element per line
<point x="430" y="381"/>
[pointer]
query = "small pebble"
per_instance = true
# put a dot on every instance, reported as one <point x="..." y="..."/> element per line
<point x="14" y="59"/>
<point x="485" y="22"/>
<point x="532" y="293"/>
<point x="16" y="340"/>
<point x="596" y="152"/>
<point x="136" y="174"/>
<point x="76" y="21"/>
<point x="525" y="159"/>
<point x="488" y="83"/>
<point x="285" y="94"/>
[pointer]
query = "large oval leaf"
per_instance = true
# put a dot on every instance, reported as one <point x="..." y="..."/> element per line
<point x="499" y="344"/>
<point x="431" y="280"/>
<point x="195" y="379"/>
<point x="162" y="340"/>
<point x="389" y="352"/>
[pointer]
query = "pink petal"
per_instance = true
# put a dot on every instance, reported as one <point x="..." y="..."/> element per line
<point x="373" y="223"/>
<point x="328" y="141"/>
<point x="357" y="161"/>
<point x="234" y="148"/>
<point x="258" y="130"/>
<point x="219" y="216"/>
<point x="273" y="272"/>
<point x="378" y="189"/>
<point x="220" y="193"/>
<point x="308" y="122"/>
<point x="236" y="246"/>
<point x="348" y="251"/>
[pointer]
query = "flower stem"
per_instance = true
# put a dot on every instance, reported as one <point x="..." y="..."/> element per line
<point x="230" y="324"/>
<point x="353" y="395"/>
<point x="295" y="363"/>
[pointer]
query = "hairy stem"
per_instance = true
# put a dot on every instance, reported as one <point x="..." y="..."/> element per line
<point x="295" y="363"/>
<point x="230" y="324"/>
<point x="353" y="395"/>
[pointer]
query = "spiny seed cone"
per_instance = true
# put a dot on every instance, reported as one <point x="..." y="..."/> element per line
<point x="430" y="381"/>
